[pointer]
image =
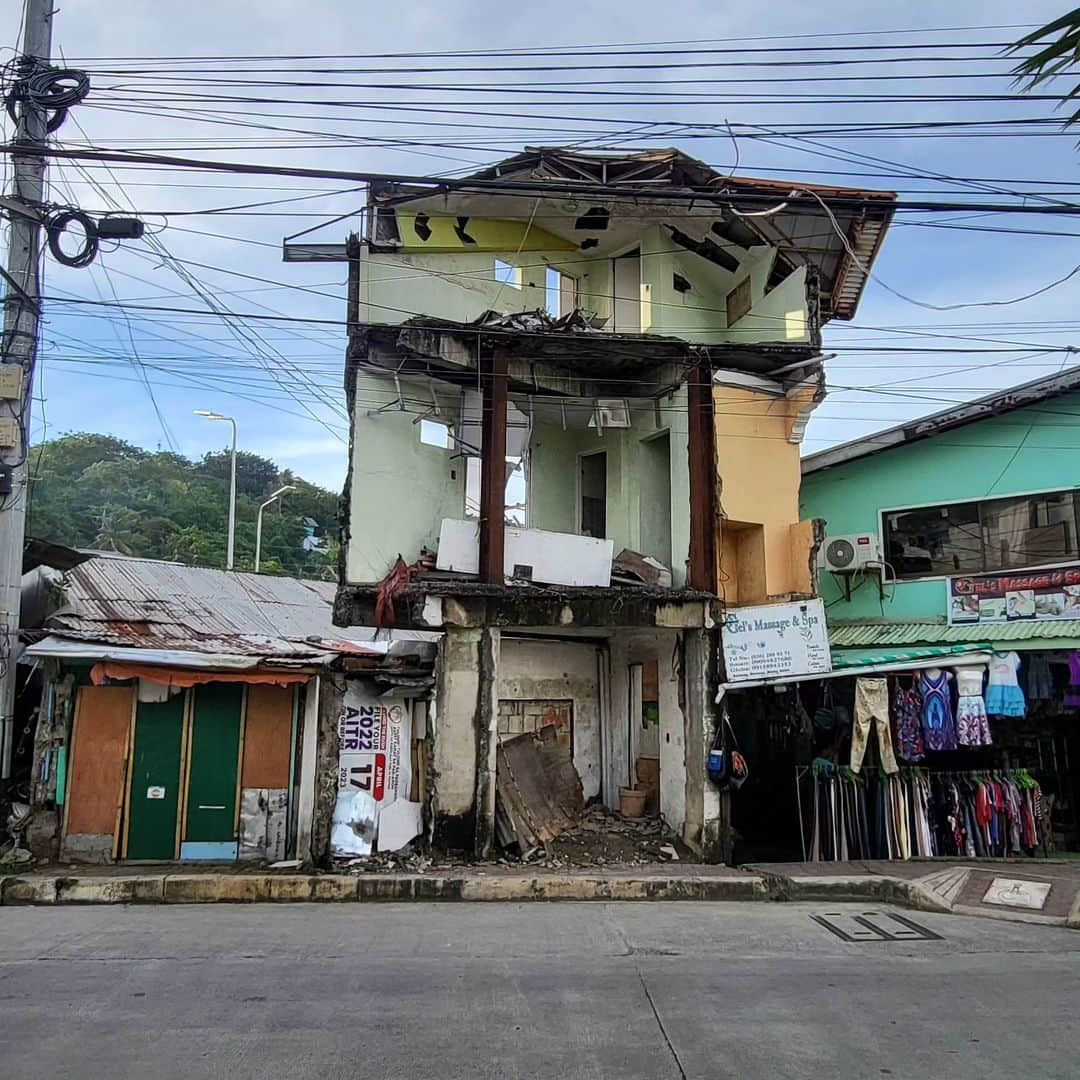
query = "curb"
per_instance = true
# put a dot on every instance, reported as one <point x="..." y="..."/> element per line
<point x="336" y="888"/>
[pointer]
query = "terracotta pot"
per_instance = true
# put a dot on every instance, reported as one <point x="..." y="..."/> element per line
<point x="632" y="801"/>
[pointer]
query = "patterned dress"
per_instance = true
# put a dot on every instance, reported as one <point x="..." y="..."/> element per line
<point x="939" y="725"/>
<point x="907" y="716"/>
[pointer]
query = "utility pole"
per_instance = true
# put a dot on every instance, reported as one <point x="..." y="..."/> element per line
<point x="18" y="346"/>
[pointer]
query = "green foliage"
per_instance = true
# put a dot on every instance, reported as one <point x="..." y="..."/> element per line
<point x="96" y="491"/>
<point x="1057" y="56"/>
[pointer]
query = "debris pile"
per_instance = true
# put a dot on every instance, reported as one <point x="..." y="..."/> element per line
<point x="603" y="837"/>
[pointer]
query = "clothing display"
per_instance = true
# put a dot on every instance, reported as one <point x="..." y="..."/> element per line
<point x="872" y="704"/>
<point x="1072" y="695"/>
<point x="919" y="813"/>
<point x="972" y="723"/>
<point x="1003" y="694"/>
<point x="1040" y="683"/>
<point x="907" y="716"/>
<point x="939" y="724"/>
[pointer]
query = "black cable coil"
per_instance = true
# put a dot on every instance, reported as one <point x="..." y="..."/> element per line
<point x="55" y="228"/>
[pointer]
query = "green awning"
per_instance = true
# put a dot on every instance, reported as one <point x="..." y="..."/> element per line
<point x="1022" y="634"/>
<point x="881" y="658"/>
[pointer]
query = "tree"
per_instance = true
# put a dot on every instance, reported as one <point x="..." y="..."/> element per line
<point x="94" y="491"/>
<point x="1058" y="56"/>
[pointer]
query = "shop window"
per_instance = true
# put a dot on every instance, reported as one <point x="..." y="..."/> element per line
<point x="979" y="536"/>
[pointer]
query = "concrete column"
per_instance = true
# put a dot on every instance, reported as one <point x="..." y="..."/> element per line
<point x="464" y="739"/>
<point x="704" y="830"/>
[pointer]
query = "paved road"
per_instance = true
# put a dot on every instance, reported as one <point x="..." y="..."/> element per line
<point x="657" y="991"/>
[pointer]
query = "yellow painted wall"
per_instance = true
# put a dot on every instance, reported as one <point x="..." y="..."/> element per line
<point x="758" y="484"/>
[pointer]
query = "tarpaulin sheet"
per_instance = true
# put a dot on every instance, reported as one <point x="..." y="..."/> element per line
<point x="111" y="669"/>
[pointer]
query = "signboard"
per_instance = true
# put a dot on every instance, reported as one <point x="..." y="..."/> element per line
<point x="374" y="749"/>
<point x="775" y="641"/>
<point x="1035" y="595"/>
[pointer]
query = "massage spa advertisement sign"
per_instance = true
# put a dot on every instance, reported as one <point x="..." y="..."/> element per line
<point x="775" y="641"/>
<point x="1034" y="595"/>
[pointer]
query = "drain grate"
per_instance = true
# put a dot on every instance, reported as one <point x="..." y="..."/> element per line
<point x="874" y="926"/>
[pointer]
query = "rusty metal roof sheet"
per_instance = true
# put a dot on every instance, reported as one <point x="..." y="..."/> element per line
<point x="148" y="604"/>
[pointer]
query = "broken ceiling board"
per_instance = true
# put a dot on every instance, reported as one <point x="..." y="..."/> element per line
<point x="453" y="235"/>
<point x="538" y="788"/>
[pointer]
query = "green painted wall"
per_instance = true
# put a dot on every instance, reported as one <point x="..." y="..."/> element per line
<point x="401" y="489"/>
<point x="553" y="489"/>
<point x="1030" y="450"/>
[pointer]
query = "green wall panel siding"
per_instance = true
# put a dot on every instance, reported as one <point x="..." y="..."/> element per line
<point x="159" y="736"/>
<point x="214" y="768"/>
<point x="1030" y="450"/>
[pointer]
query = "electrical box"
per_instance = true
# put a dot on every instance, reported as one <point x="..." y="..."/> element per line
<point x="9" y="433"/>
<point x="10" y="381"/>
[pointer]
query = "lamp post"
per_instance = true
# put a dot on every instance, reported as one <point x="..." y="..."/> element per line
<point x="230" y="544"/>
<point x="258" y="521"/>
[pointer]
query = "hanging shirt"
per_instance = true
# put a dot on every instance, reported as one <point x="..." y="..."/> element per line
<point x="1072" y="695"/>
<point x="1003" y="694"/>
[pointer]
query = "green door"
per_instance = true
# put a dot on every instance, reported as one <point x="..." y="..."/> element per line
<point x="155" y="779"/>
<point x="214" y="758"/>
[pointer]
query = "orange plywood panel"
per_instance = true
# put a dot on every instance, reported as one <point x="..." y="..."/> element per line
<point x="98" y="759"/>
<point x="267" y="737"/>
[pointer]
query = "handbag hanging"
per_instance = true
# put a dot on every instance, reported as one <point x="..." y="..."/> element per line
<point x="726" y="766"/>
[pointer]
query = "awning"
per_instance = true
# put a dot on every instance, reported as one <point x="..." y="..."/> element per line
<point x="851" y="663"/>
<point x="62" y="648"/>
<point x="856" y="660"/>
<point x="184" y="677"/>
<point x="1049" y="634"/>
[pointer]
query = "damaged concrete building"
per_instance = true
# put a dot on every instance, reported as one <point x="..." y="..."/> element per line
<point x="577" y="385"/>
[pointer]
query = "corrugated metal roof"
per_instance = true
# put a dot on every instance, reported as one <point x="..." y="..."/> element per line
<point x="149" y="604"/>
<point x="850" y="635"/>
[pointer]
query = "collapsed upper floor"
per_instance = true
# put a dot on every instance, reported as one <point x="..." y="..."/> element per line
<point x="653" y="242"/>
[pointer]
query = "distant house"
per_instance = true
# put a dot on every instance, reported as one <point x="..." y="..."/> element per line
<point x="185" y="712"/>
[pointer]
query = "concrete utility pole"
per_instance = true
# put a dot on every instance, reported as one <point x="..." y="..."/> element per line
<point x="18" y="348"/>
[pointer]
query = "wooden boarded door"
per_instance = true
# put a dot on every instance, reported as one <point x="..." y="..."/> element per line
<point x="210" y="828"/>
<point x="98" y="758"/>
<point x="154" y="799"/>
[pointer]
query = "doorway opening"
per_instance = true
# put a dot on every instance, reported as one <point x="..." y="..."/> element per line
<point x="593" y="494"/>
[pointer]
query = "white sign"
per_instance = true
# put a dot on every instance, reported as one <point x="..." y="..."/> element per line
<point x="775" y="641"/>
<point x="155" y="792"/>
<point x="374" y="749"/>
<point x="1016" y="892"/>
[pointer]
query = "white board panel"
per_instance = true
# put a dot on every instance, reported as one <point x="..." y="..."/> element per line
<point x="554" y="558"/>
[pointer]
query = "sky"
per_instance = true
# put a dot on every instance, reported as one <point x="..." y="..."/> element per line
<point x="122" y="365"/>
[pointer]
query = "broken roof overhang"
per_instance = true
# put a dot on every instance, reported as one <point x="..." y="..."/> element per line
<point x="60" y="647"/>
<point x="561" y="360"/>
<point x="786" y="215"/>
<point x="996" y="404"/>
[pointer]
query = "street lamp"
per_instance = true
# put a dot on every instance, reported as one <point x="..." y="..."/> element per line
<point x="232" y="484"/>
<point x="258" y="521"/>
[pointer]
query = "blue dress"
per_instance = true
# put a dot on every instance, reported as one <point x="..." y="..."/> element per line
<point x="939" y="724"/>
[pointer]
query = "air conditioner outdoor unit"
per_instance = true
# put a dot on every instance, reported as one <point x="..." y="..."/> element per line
<point x="843" y="554"/>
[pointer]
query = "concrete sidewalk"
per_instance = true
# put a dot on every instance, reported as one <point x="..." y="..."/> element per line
<point x="1037" y="891"/>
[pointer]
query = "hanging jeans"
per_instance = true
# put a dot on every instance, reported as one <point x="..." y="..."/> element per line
<point x="872" y="704"/>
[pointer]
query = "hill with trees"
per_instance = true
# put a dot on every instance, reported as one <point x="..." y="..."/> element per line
<point x="96" y="491"/>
